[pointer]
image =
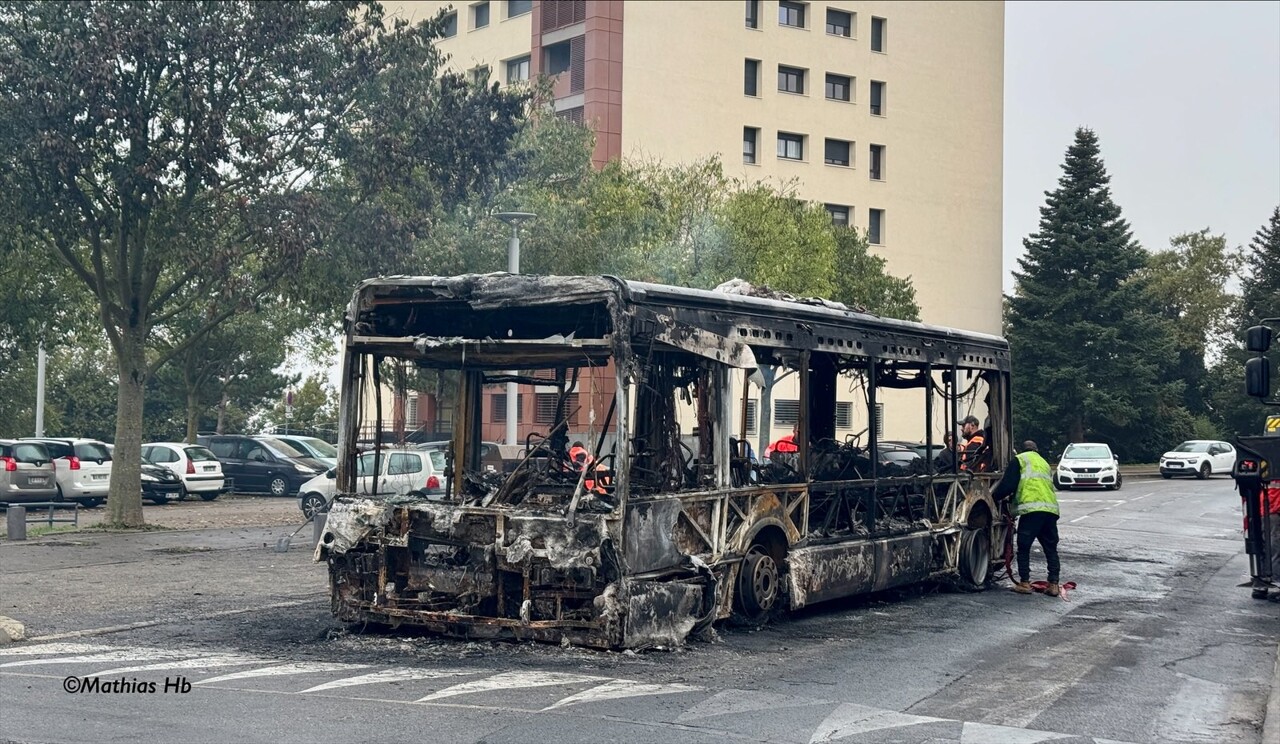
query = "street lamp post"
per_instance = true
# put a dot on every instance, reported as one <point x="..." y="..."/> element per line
<point x="513" y="266"/>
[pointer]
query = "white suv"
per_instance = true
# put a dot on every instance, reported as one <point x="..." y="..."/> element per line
<point x="194" y="464"/>
<point x="1199" y="457"/>
<point x="1087" y="465"/>
<point x="83" y="468"/>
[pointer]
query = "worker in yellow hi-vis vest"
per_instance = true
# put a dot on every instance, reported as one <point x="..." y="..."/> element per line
<point x="1030" y="480"/>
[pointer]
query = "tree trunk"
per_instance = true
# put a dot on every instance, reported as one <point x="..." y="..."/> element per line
<point x="193" y="416"/>
<point x="222" y="411"/>
<point x="1076" y="429"/>
<point x="124" y="501"/>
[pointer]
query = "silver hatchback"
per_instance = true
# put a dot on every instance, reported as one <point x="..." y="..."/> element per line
<point x="26" y="473"/>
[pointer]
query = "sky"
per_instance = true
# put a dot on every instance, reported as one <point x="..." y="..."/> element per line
<point x="1184" y="98"/>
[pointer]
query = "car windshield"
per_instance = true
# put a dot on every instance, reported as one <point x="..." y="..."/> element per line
<point x="30" y="453"/>
<point x="1087" y="452"/>
<point x="321" y="447"/>
<point x="92" y="451"/>
<point x="58" y="449"/>
<point x="199" y="454"/>
<point x="1192" y="447"/>
<point x="280" y="448"/>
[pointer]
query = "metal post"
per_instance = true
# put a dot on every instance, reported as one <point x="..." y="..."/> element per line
<point x="513" y="267"/>
<point x="40" y="364"/>
<point x="317" y="527"/>
<point x="17" y="522"/>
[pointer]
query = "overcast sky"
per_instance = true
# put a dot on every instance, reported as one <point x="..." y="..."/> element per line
<point x="1184" y="97"/>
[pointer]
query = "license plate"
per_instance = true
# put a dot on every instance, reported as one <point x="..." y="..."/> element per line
<point x="99" y="476"/>
<point x="209" y="468"/>
<point x="38" y="481"/>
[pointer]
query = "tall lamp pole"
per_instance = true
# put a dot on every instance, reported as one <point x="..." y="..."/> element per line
<point x="513" y="266"/>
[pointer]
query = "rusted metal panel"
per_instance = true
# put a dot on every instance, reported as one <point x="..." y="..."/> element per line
<point x="650" y="535"/>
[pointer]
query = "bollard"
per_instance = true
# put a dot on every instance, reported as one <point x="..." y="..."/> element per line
<point x="317" y="525"/>
<point x="17" y="518"/>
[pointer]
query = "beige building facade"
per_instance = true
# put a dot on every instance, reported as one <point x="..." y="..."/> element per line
<point x="889" y="113"/>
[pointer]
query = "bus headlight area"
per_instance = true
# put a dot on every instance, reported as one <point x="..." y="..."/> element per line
<point x="657" y="520"/>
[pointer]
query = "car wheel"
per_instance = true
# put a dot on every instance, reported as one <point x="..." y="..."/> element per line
<point x="279" y="486"/>
<point x="91" y="503"/>
<point x="209" y="496"/>
<point x="1166" y="476"/>
<point x="1203" y="472"/>
<point x="59" y="497"/>
<point x="313" y="504"/>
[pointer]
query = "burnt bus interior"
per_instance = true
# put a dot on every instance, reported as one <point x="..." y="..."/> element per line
<point x="675" y="491"/>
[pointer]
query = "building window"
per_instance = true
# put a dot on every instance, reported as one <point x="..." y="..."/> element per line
<point x="750" y="142"/>
<point x="480" y="15"/>
<point x="875" y="226"/>
<point x="411" y="412"/>
<point x="838" y="87"/>
<point x="577" y="115"/>
<point x="836" y="152"/>
<point x="518" y="7"/>
<point x="879" y="27"/>
<point x="752" y="415"/>
<point x="877" y="163"/>
<point x="451" y="25"/>
<point x="839" y="214"/>
<point x="499" y="410"/>
<point x="790" y="146"/>
<point x="546" y="411"/>
<point x="518" y="69"/>
<point x="751" y="77"/>
<point x="844" y="415"/>
<point x="839" y="22"/>
<point x="753" y="13"/>
<point x="557" y="58"/>
<point x="791" y="14"/>
<point x="786" y="412"/>
<point x="877" y="98"/>
<point x="790" y="79"/>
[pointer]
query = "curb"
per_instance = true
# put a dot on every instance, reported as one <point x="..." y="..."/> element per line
<point x="1271" y="719"/>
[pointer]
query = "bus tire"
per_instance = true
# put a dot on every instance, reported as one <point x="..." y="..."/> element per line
<point x="759" y="584"/>
<point x="974" y="561"/>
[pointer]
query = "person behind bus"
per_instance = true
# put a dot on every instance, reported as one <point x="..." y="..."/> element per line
<point x="578" y="456"/>
<point x="1029" y="480"/>
<point x="947" y="457"/>
<point x="976" y="455"/>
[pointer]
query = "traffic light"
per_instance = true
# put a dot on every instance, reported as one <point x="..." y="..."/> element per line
<point x="1257" y="371"/>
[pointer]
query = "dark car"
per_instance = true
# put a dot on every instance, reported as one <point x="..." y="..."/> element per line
<point x="159" y="484"/>
<point x="261" y="464"/>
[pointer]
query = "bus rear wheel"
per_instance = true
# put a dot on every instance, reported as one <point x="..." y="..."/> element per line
<point x="757" y="591"/>
<point x="975" y="557"/>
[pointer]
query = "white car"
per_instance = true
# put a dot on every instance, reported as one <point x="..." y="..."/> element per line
<point x="1199" y="457"/>
<point x="83" y="468"/>
<point x="312" y="447"/>
<point x="197" y="467"/>
<point x="1087" y="465"/>
<point x="402" y="472"/>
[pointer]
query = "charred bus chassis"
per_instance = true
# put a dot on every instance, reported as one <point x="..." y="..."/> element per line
<point x="673" y="524"/>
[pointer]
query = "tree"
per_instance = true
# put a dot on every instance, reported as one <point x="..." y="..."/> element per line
<point x="1088" y="347"/>
<point x="1233" y="411"/>
<point x="314" y="408"/>
<point x="170" y="152"/>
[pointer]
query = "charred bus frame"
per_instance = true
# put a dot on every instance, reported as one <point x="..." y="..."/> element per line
<point x="671" y="529"/>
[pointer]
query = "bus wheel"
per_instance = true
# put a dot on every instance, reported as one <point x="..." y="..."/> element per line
<point x="975" y="557"/>
<point x="757" y="583"/>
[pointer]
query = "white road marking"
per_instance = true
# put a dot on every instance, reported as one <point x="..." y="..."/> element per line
<point x="52" y="648"/>
<point x="512" y="681"/>
<point x="388" y="675"/>
<point x="1077" y="519"/>
<point x="620" y="688"/>
<point x="733" y="702"/>
<point x="985" y="733"/>
<point x="281" y="670"/>
<point x="850" y="718"/>
<point x="131" y="654"/>
<point x="202" y="662"/>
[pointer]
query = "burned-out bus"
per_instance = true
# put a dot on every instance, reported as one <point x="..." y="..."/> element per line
<point x="672" y="520"/>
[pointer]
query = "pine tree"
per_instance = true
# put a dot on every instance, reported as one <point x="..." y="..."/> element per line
<point x="1260" y="283"/>
<point x="1088" y="346"/>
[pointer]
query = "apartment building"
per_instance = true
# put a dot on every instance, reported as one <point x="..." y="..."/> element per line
<point x="889" y="113"/>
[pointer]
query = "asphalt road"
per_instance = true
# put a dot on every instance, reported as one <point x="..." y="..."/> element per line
<point x="1157" y="644"/>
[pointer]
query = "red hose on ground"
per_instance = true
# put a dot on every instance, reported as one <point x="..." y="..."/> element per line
<point x="1041" y="586"/>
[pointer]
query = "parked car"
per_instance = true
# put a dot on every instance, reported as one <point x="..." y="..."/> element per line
<point x="261" y="464"/>
<point x="159" y="484"/>
<point x="402" y="472"/>
<point x="1199" y="457"/>
<point x="83" y="466"/>
<point x="312" y="447"/>
<point x="919" y="447"/>
<point x="1087" y="464"/>
<point x="490" y="452"/>
<point x="195" y="465"/>
<point x="27" y="473"/>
